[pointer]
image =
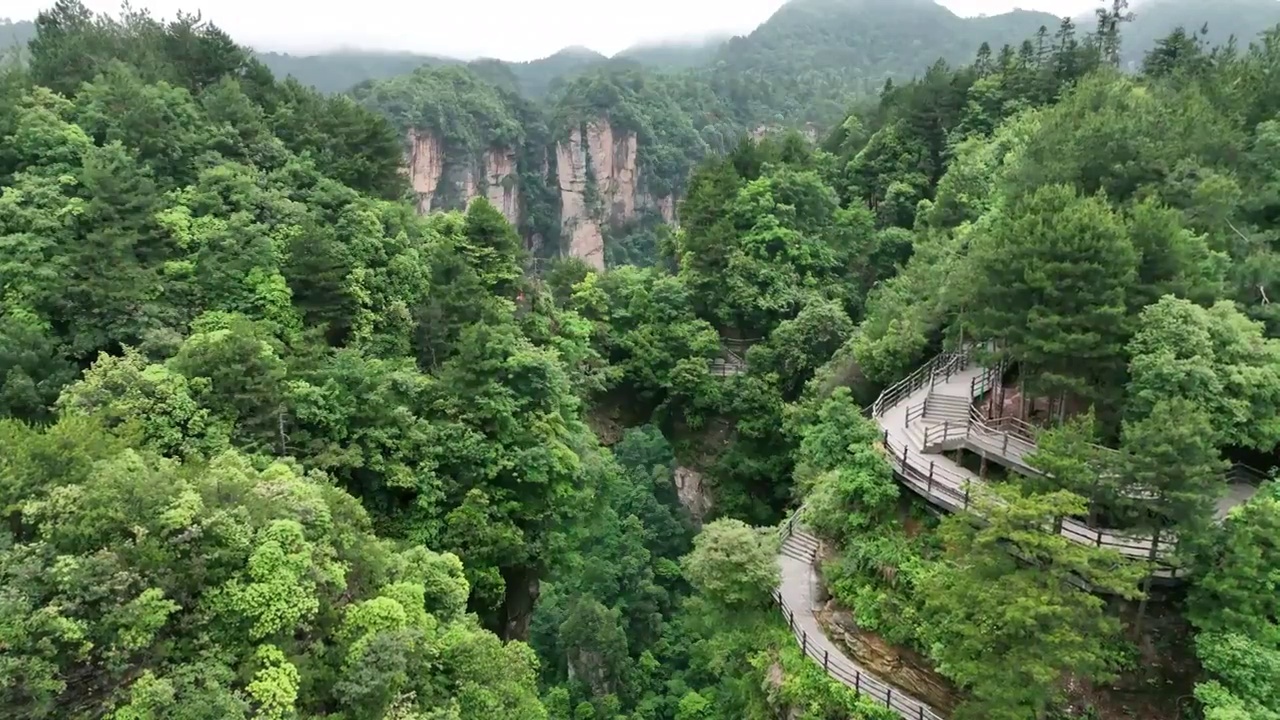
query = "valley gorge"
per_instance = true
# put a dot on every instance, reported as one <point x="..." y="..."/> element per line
<point x="388" y="386"/>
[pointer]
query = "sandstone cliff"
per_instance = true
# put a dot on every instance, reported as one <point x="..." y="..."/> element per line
<point x="599" y="177"/>
<point x="443" y="181"/>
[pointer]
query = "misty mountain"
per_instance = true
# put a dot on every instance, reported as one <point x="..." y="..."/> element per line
<point x="675" y="55"/>
<point x="1223" y="19"/>
<point x="812" y="58"/>
<point x="343" y="69"/>
<point x="15" y="33"/>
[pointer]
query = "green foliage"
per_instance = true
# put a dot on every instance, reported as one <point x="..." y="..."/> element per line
<point x="1050" y="288"/>
<point x="264" y="386"/>
<point x="735" y="564"/>
<point x="468" y="114"/>
<point x="239" y="592"/>
<point x="1003" y="614"/>
<point x="1215" y="358"/>
<point x="1234" y="608"/>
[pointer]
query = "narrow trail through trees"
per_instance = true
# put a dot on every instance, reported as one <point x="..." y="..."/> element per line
<point x="915" y="438"/>
<point x="795" y="597"/>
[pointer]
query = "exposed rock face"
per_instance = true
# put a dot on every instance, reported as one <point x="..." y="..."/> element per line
<point x="501" y="178"/>
<point x="690" y="488"/>
<point x="429" y="165"/>
<point x="667" y="206"/>
<point x="597" y="173"/>
<point x="905" y="668"/>
<point x="577" y="227"/>
<point x="610" y="158"/>
<point x="426" y="167"/>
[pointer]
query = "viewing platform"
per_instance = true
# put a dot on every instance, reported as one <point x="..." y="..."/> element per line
<point x="931" y="412"/>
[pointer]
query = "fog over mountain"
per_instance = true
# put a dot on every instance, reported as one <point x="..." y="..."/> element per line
<point x="507" y="29"/>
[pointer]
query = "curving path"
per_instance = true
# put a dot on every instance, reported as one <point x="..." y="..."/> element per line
<point x="925" y="414"/>
<point x="795" y="597"/>
<point x="930" y="412"/>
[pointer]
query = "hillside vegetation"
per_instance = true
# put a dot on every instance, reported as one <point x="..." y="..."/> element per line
<point x="274" y="445"/>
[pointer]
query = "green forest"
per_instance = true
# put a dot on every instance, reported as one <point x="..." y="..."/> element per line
<point x="274" y="445"/>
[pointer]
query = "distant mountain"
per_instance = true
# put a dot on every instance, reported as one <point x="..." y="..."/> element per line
<point x="813" y="57"/>
<point x="675" y="55"/>
<point x="13" y="40"/>
<point x="343" y="69"/>
<point x="1155" y="19"/>
<point x="15" y="33"/>
<point x="537" y="76"/>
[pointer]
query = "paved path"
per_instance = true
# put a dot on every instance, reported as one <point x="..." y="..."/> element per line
<point x="915" y="443"/>
<point x="796" y="597"/>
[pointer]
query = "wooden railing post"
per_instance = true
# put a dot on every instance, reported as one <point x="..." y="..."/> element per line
<point x="857" y="683"/>
<point x="966" y="497"/>
<point x="1005" y="448"/>
<point x="804" y="643"/>
<point x="904" y="456"/>
<point x="1099" y="540"/>
<point x="888" y="697"/>
<point x="826" y="659"/>
<point x="930" y="477"/>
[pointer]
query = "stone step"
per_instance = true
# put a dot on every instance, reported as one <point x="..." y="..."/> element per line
<point x="954" y="414"/>
<point x="803" y="539"/>
<point x="796" y="553"/>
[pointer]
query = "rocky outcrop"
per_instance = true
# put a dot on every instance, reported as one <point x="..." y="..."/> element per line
<point x="599" y="177"/>
<point x="501" y="183"/>
<point x="445" y="182"/>
<point x="908" y="670"/>
<point x="775" y="677"/>
<point x="597" y="174"/>
<point x="579" y="229"/>
<point x="692" y="491"/>
<point x="425" y="166"/>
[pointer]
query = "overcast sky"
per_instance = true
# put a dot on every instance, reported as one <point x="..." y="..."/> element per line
<point x="507" y="29"/>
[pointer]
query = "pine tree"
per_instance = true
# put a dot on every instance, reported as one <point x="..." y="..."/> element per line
<point x="1051" y="284"/>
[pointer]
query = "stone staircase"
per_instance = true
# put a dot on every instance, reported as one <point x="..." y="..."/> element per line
<point x="940" y="408"/>
<point x="800" y="545"/>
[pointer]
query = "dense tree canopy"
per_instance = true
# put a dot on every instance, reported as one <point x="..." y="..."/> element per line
<point x="276" y="445"/>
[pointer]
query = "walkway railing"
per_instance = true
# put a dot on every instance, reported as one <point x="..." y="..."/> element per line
<point x="945" y="485"/>
<point x="942" y="366"/>
<point x="840" y="668"/>
<point x="941" y="484"/>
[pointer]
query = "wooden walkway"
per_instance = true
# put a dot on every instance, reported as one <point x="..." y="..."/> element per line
<point x="915" y="436"/>
<point x="796" y="598"/>
<point x="915" y="439"/>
